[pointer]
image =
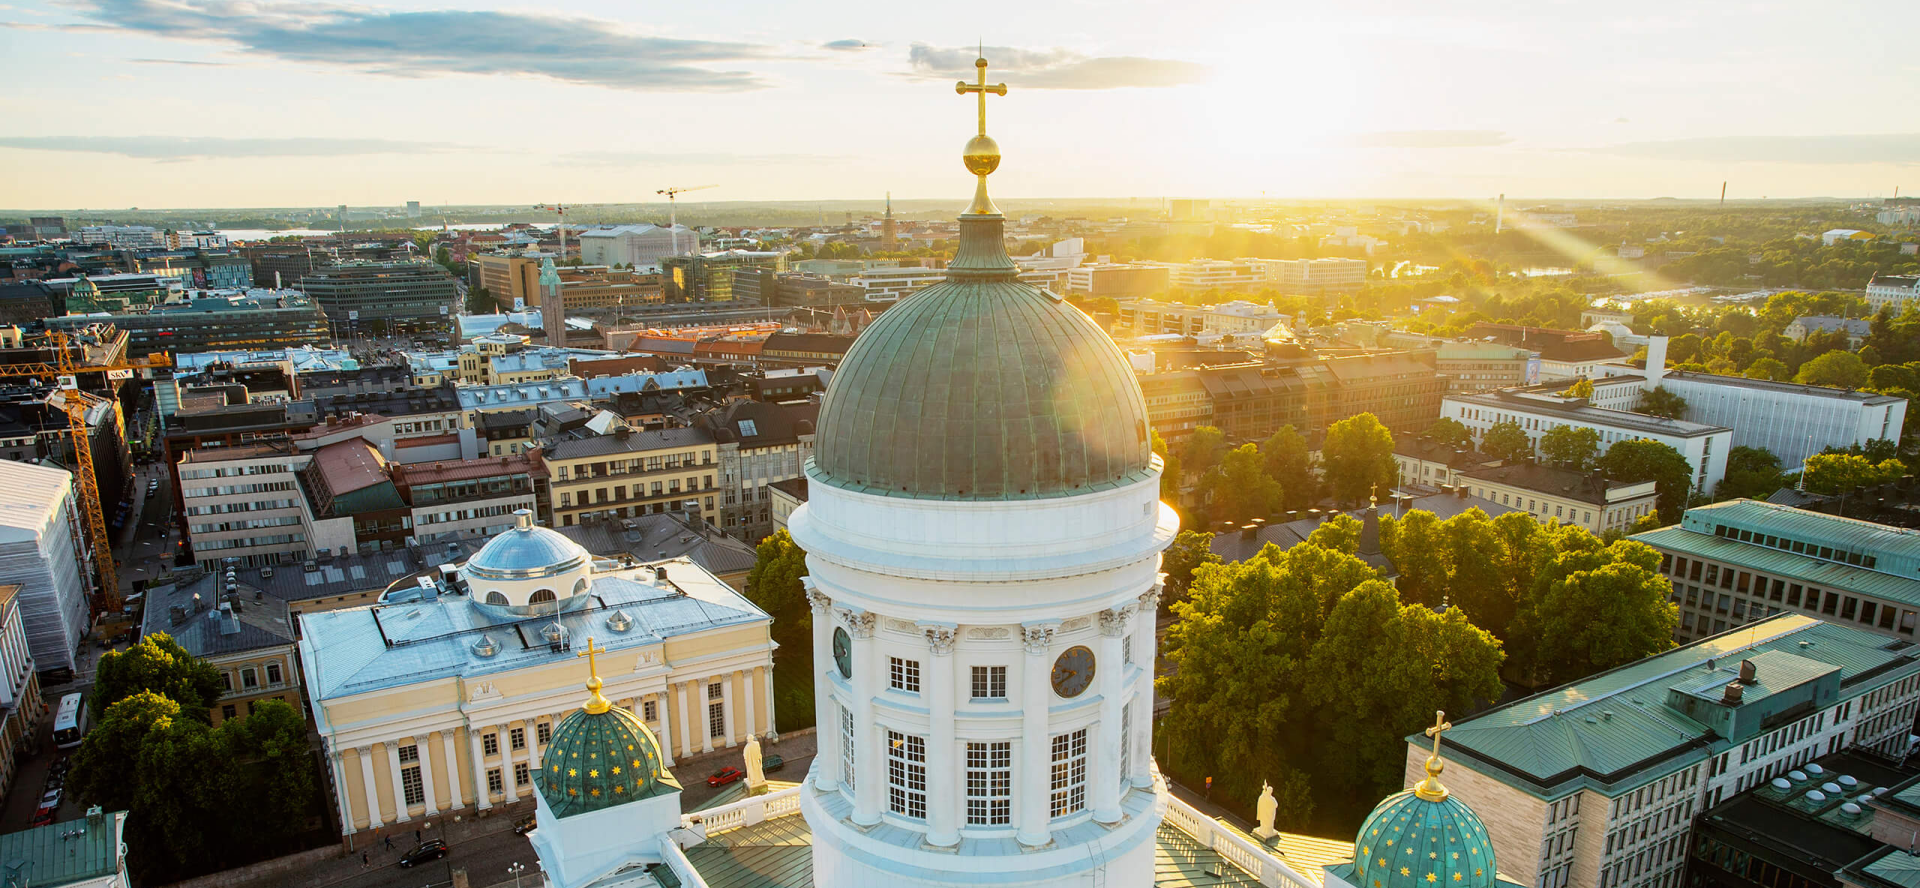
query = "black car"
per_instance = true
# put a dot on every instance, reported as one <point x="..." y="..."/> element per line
<point x="432" y="849"/>
<point x="526" y="825"/>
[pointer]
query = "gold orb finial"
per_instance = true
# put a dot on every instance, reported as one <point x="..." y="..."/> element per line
<point x="982" y="155"/>
<point x="1430" y="788"/>
<point x="596" y="703"/>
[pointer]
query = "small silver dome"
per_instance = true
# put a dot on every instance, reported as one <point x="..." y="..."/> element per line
<point x="526" y="553"/>
<point x="486" y="646"/>
<point x="620" y="621"/>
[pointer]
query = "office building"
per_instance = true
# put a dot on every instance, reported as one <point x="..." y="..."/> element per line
<point x="889" y="283"/>
<point x="1734" y="562"/>
<point x="283" y="264"/>
<point x="1200" y="275"/>
<point x="375" y="296"/>
<point x="757" y="444"/>
<point x="1537" y="412"/>
<point x="1893" y="292"/>
<point x="1564" y="355"/>
<point x="1810" y="827"/>
<point x="1473" y="365"/>
<point x="21" y="706"/>
<point x="473" y="498"/>
<point x="1426" y="463"/>
<point x="708" y="277"/>
<point x="249" y="320"/>
<point x="771" y="288"/>
<point x="122" y="237"/>
<point x="1119" y="281"/>
<point x="636" y="245"/>
<point x="247" y="636"/>
<point x="512" y="281"/>
<point x="41" y="552"/>
<point x="497" y="667"/>
<point x="1549" y="494"/>
<point x="413" y="209"/>
<point x="1311" y="276"/>
<point x="90" y="294"/>
<point x="624" y="473"/>
<point x="1598" y="783"/>
<point x="1149" y="317"/>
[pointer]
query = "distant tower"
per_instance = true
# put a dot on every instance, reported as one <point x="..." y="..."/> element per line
<point x="343" y="217"/>
<point x="889" y="233"/>
<point x="1499" y="213"/>
<point x="553" y="314"/>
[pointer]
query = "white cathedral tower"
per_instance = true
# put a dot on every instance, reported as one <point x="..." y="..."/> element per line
<point x="983" y="534"/>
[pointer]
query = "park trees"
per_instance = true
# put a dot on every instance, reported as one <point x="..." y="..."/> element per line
<point x="1581" y="388"/>
<point x="1169" y="471"/>
<point x="1592" y="608"/>
<point x="1507" y="441"/>
<point x="1644" y="459"/>
<point x="1658" y="401"/>
<point x="1357" y="457"/>
<point x="1451" y="432"/>
<point x="1835" y="369"/>
<point x="480" y="301"/>
<point x="774" y="585"/>
<point x="1239" y="488"/>
<point x="1271" y="652"/>
<point x="1570" y="447"/>
<point x="158" y="664"/>
<point x="1751" y="472"/>
<point x="1202" y="450"/>
<point x="1290" y="462"/>
<point x="1768" y="367"/>
<point x="1835" y="473"/>
<point x="1190" y="550"/>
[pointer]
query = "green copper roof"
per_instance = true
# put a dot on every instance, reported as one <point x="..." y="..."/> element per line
<point x="982" y="388"/>
<point x="1409" y="842"/>
<point x="598" y="760"/>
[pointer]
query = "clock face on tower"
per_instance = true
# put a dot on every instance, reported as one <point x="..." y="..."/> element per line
<point x="843" y="652"/>
<point x="1073" y="672"/>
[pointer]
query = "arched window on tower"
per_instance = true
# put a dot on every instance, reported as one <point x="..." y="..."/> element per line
<point x="495" y="597"/>
<point x="580" y="587"/>
<point x="541" y="597"/>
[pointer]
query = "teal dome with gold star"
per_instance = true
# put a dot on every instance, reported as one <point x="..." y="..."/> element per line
<point x="1424" y="837"/>
<point x="600" y="756"/>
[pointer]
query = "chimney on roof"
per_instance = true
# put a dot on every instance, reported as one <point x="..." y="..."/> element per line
<point x="1732" y="695"/>
<point x="1747" y="671"/>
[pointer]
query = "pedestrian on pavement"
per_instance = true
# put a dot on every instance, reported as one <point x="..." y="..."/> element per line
<point x="389" y="839"/>
<point x="365" y="861"/>
<point x="416" y="837"/>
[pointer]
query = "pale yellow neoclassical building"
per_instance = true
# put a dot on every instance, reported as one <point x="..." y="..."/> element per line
<point x="441" y="698"/>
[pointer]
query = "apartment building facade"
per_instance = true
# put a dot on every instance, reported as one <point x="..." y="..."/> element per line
<point x="1538" y="412"/>
<point x="1597" y="783"/>
<point x="627" y="473"/>
<point x="1551" y="494"/>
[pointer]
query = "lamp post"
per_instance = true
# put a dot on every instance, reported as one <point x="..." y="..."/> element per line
<point x="516" y="869"/>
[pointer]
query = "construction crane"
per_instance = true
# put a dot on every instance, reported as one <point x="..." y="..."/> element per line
<point x="559" y="210"/>
<point x="673" y="214"/>
<point x="69" y="399"/>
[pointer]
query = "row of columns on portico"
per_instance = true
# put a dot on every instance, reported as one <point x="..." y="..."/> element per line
<point x="443" y="749"/>
<point x="946" y="767"/>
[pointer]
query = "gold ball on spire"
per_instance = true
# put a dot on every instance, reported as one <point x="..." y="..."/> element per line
<point x="982" y="155"/>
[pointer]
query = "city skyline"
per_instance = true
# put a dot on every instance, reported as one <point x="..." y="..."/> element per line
<point x="208" y="105"/>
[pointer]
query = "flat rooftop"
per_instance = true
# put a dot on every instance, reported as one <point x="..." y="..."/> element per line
<point x="1577" y="409"/>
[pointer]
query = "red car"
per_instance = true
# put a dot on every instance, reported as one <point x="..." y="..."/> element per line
<point x="725" y="776"/>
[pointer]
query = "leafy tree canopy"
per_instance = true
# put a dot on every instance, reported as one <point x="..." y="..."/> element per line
<point x="1507" y="441"/>
<point x="158" y="664"/>
<point x="1451" y="432"/>
<point x="1239" y="488"/>
<point x="1357" y="457"/>
<point x="1290" y="462"/>
<point x="1658" y="401"/>
<point x="1752" y="473"/>
<point x="1837" y="369"/>
<point x="1644" y="459"/>
<point x="1835" y="473"/>
<point x="1570" y="447"/>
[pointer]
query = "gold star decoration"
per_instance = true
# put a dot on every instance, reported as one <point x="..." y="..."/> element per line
<point x="1433" y="855"/>
<point x="1405" y="872"/>
<point x="573" y="772"/>
<point x="1364" y="851"/>
<point x="1456" y="855"/>
<point x="616" y="771"/>
<point x="1381" y="862"/>
<point x="1456" y="877"/>
<point x="1476" y="871"/>
<point x="618" y="788"/>
<point x="1389" y="843"/>
<point x="1432" y="878"/>
<point x="594" y="792"/>
<point x="629" y="747"/>
<point x="636" y="763"/>
<point x="573" y="792"/>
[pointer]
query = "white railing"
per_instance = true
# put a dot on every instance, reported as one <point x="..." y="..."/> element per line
<point x="677" y="861"/>
<point x="746" y="812"/>
<point x="1255" y="860"/>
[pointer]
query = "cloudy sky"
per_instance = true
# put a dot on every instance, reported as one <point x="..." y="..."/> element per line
<point x="207" y="103"/>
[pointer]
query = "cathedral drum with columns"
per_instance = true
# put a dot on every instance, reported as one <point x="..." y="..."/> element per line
<point x="983" y="536"/>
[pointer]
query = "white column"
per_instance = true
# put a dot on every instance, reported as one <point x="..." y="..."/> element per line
<point x="1145" y="650"/>
<point x="663" y="706"/>
<point x="372" y="788"/>
<point x="480" y="792"/>
<point x="400" y="812"/>
<point x="944" y="768"/>
<point x="425" y="748"/>
<point x="826" y="720"/>
<point x="766" y="689"/>
<point x="507" y="778"/>
<point x="686" y="721"/>
<point x="747" y="689"/>
<point x="339" y="763"/>
<point x="1031" y="790"/>
<point x="451" y="751"/>
<point x="1109" y="671"/>
<point x="866" y="739"/>
<point x="726" y="707"/>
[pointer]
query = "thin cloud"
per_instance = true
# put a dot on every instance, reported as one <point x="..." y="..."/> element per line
<point x="1438" y="138"/>
<point x="437" y="42"/>
<point x="188" y="62"/>
<point x="1900" y="148"/>
<point x="846" y="45"/>
<point x="1053" y="68"/>
<point x="190" y="147"/>
<point x="629" y="158"/>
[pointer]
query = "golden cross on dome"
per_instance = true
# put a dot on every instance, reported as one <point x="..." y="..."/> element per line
<point x="597" y="703"/>
<point x="1430" y="788"/>
<point x="982" y="155"/>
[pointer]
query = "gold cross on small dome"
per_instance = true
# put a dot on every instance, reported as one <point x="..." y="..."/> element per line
<point x="982" y="155"/>
<point x="1430" y="788"/>
<point x="597" y="703"/>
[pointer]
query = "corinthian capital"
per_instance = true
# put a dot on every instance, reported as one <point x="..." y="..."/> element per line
<point x="820" y="601"/>
<point x="859" y="622"/>
<point x="939" y="637"/>
<point x="1113" y="621"/>
<point x="1038" y="636"/>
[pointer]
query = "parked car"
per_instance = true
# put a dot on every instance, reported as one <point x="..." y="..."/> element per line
<point x="772" y="763"/>
<point x="725" y="776"/>
<point x="432" y="849"/>
<point x="526" y="825"/>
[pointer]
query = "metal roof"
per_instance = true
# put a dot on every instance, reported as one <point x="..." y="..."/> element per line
<point x="66" y="852"/>
<point x="1886" y="542"/>
<point x="526" y="552"/>
<point x="1616" y="728"/>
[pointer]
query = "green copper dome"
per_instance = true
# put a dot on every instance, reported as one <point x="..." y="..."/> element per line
<point x="598" y="760"/>
<point x="1413" y="842"/>
<point x="982" y="387"/>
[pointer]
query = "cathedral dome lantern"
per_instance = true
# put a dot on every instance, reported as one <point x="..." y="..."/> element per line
<point x="529" y="571"/>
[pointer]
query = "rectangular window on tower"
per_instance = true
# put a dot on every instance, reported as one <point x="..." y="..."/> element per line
<point x="989" y="784"/>
<point x="907" y="774"/>
<point x="846" y="747"/>
<point x="989" y="682"/>
<point x="1126" y="741"/>
<point x="904" y="675"/>
<point x="1069" y="783"/>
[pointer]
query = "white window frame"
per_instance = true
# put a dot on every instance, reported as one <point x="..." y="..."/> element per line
<point x="846" y="747"/>
<point x="903" y="674"/>
<point x="990" y="783"/>
<point x="989" y="682"/>
<point x="907" y="775"/>
<point x="1067" y="793"/>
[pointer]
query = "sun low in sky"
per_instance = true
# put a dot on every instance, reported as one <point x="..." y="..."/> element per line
<point x="211" y="103"/>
